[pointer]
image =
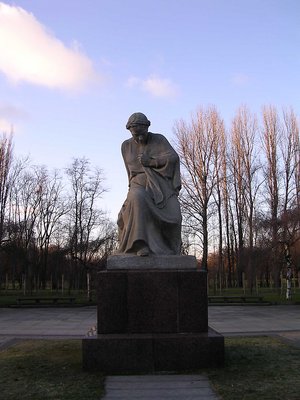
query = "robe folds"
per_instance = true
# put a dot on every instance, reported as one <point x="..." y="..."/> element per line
<point x="151" y="212"/>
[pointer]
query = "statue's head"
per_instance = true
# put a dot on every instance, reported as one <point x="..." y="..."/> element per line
<point x="137" y="118"/>
<point x="138" y="125"/>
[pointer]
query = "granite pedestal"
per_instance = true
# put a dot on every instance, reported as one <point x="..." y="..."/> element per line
<point x="152" y="317"/>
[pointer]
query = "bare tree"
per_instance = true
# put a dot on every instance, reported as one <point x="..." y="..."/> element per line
<point x="220" y="161"/>
<point x="270" y="137"/>
<point x="287" y="144"/>
<point x="10" y="169"/>
<point x="85" y="217"/>
<point x="24" y="215"/>
<point x="245" y="165"/>
<point x="238" y="195"/>
<point x="197" y="142"/>
<point x="52" y="207"/>
<point x="296" y="145"/>
<point x="290" y="212"/>
<point x="6" y="159"/>
<point x="227" y="211"/>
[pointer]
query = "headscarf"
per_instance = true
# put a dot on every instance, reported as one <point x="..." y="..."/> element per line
<point x="137" y="118"/>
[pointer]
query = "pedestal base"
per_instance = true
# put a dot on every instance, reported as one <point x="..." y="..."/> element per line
<point x="152" y="353"/>
<point x="152" y="317"/>
<point x="152" y="301"/>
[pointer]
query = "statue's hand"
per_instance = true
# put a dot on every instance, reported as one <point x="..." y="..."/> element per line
<point x="144" y="160"/>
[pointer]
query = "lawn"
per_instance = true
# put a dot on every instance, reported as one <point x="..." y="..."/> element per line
<point x="9" y="297"/>
<point x="272" y="295"/>
<point x="275" y="296"/>
<point x="44" y="370"/>
<point x="256" y="368"/>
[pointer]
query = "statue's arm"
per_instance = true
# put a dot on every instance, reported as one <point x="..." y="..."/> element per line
<point x="123" y="151"/>
<point x="158" y="161"/>
<point x="161" y="155"/>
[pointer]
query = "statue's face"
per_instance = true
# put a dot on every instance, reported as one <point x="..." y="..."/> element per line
<point x="139" y="133"/>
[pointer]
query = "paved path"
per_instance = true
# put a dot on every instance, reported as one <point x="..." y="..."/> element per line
<point x="250" y="319"/>
<point x="159" y="387"/>
<point x="76" y="322"/>
<point x="33" y="322"/>
<point x="22" y="323"/>
<point x="50" y="323"/>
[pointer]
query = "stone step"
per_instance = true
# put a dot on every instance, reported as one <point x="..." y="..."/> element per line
<point x="159" y="387"/>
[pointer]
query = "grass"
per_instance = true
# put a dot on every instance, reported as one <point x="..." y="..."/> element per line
<point x="9" y="297"/>
<point x="256" y="368"/>
<point x="272" y="295"/>
<point x="275" y="296"/>
<point x="47" y="370"/>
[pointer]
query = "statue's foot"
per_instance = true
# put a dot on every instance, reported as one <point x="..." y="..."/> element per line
<point x="143" y="252"/>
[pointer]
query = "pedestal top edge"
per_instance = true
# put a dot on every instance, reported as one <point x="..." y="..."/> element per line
<point x="128" y="262"/>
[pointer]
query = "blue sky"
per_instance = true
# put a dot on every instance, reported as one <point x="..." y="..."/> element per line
<point x="72" y="71"/>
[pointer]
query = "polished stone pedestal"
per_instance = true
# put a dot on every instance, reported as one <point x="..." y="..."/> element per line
<point x="152" y="318"/>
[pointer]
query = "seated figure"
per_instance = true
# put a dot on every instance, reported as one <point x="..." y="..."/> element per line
<point x="150" y="219"/>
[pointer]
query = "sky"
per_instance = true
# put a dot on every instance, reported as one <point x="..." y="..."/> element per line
<point x="73" y="71"/>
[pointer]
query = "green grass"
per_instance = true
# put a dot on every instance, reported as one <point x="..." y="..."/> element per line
<point x="47" y="370"/>
<point x="9" y="297"/>
<point x="272" y="295"/>
<point x="258" y="368"/>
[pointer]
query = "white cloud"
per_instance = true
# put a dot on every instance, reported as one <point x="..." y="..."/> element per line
<point x="156" y="86"/>
<point x="30" y="53"/>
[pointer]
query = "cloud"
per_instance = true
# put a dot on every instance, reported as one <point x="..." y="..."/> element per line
<point x="30" y="53"/>
<point x="156" y="86"/>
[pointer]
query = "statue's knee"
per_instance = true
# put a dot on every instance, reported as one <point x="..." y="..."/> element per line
<point x="138" y="196"/>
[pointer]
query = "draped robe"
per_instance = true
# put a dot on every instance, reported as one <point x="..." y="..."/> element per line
<point x="151" y="212"/>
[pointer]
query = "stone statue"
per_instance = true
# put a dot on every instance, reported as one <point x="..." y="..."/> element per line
<point x="150" y="219"/>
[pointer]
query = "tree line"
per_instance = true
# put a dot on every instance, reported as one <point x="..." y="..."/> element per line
<point x="240" y="204"/>
<point x="52" y="228"/>
<point x="241" y="192"/>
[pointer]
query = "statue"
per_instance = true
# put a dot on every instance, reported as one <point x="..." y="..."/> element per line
<point x="150" y="219"/>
